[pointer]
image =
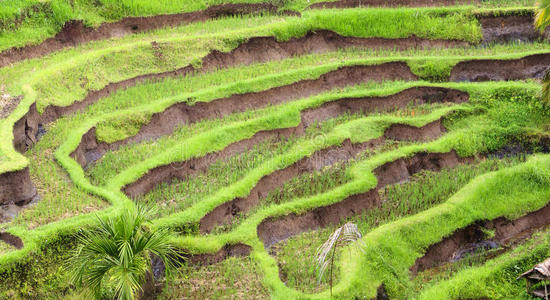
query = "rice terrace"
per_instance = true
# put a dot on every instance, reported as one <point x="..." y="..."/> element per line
<point x="274" y="149"/>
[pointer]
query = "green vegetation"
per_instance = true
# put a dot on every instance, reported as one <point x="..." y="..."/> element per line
<point x="63" y="244"/>
<point x="233" y="278"/>
<point x="425" y="190"/>
<point x="116" y="256"/>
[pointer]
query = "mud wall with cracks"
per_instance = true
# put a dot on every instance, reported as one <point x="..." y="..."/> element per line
<point x="472" y="238"/>
<point x="532" y="66"/>
<point x="275" y="229"/>
<point x="182" y="170"/>
<point x="510" y="28"/>
<point x="224" y="213"/>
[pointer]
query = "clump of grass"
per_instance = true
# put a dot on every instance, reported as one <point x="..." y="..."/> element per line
<point x="5" y="247"/>
<point x="233" y="278"/>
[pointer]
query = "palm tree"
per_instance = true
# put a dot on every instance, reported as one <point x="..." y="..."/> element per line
<point x="542" y="20"/>
<point x="116" y="255"/>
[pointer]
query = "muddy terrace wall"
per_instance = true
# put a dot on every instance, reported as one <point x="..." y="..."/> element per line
<point x="466" y="241"/>
<point x="11" y="240"/>
<point x="224" y="213"/>
<point x="182" y="170"/>
<point x="276" y="229"/>
<point x="16" y="188"/>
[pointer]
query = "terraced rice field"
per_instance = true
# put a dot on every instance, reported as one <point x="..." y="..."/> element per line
<point x="256" y="129"/>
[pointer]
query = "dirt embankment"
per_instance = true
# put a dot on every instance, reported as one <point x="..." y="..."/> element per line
<point x="11" y="240"/>
<point x="390" y="3"/>
<point x="532" y="66"/>
<point x="276" y="229"/>
<point x="182" y="170"/>
<point x="473" y="238"/>
<point x="16" y="188"/>
<point x="226" y="212"/>
<point x="510" y="28"/>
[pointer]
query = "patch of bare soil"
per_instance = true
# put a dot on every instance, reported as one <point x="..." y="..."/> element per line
<point x="11" y="240"/>
<point x="7" y="103"/>
<point x="16" y="188"/>
<point x="510" y="28"/>
<point x="532" y="66"/>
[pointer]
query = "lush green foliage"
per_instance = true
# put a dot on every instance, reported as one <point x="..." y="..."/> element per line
<point x="411" y="217"/>
<point x="116" y="255"/>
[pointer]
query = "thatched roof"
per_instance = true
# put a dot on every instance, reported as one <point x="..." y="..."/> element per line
<point x="539" y="272"/>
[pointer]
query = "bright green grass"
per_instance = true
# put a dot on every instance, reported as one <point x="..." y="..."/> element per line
<point x="59" y="197"/>
<point x="472" y="130"/>
<point x="31" y="238"/>
<point x="426" y="22"/>
<point x="5" y="247"/>
<point x="179" y="195"/>
<point x="310" y="184"/>
<point x="94" y="69"/>
<point x="45" y="275"/>
<point x="110" y="130"/>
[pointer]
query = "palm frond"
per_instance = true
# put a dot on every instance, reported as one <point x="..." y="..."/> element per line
<point x="542" y="18"/>
<point x="118" y="252"/>
<point x="349" y="233"/>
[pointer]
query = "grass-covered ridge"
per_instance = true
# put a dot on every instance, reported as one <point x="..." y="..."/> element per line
<point x="95" y="69"/>
<point x="276" y="176"/>
<point x="24" y="22"/>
